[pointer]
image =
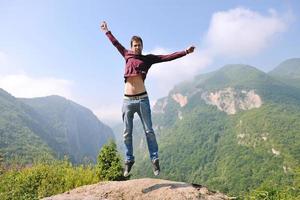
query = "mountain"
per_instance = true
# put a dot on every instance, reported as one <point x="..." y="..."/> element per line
<point x="77" y="130"/>
<point x="19" y="143"/>
<point x="288" y="72"/>
<point x="235" y="130"/>
<point x="49" y="127"/>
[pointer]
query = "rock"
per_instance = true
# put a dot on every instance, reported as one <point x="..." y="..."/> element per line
<point x="179" y="98"/>
<point x="140" y="189"/>
<point x="230" y="100"/>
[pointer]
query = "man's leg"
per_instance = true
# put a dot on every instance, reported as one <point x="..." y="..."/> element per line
<point x="145" y="115"/>
<point x="127" y="115"/>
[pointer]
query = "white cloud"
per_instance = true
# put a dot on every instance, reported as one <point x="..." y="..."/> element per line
<point x="242" y="32"/>
<point x="165" y="75"/>
<point x="236" y="32"/>
<point x="21" y="85"/>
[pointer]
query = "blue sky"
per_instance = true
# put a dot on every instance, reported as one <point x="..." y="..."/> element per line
<point x="56" y="46"/>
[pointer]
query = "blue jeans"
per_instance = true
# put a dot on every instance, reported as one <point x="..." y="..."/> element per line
<point x="142" y="108"/>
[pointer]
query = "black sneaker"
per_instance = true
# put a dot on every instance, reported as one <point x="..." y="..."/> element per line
<point x="156" y="168"/>
<point x="128" y="165"/>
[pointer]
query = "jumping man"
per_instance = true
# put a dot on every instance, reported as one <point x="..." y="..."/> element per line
<point x="135" y="95"/>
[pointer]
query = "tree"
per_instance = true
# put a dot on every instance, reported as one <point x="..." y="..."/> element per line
<point x="109" y="167"/>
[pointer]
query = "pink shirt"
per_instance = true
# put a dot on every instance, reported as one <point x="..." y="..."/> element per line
<point x="140" y="64"/>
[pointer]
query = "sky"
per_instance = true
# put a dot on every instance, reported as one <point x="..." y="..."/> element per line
<point x="56" y="47"/>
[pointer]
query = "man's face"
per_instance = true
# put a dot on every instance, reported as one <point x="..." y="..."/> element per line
<point x="137" y="47"/>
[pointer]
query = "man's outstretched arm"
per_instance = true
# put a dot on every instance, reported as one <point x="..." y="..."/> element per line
<point x="173" y="56"/>
<point x="113" y="40"/>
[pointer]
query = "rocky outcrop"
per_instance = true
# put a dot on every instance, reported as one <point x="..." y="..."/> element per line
<point x="160" y="105"/>
<point x="140" y="189"/>
<point x="275" y="152"/>
<point x="231" y="100"/>
<point x="179" y="98"/>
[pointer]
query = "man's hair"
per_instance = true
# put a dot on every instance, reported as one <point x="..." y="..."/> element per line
<point x="136" y="38"/>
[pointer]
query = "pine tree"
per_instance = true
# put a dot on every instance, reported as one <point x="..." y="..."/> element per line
<point x="109" y="167"/>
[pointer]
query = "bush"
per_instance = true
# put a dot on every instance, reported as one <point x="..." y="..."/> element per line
<point x="44" y="180"/>
<point x="109" y="167"/>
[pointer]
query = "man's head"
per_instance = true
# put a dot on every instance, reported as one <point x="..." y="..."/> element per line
<point x="136" y="44"/>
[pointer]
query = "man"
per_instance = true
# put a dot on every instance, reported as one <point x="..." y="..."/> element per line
<point x="135" y="95"/>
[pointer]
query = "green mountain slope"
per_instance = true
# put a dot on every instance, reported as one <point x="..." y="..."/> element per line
<point x="76" y="130"/>
<point x="247" y="78"/>
<point x="288" y="72"/>
<point x="47" y="128"/>
<point x="19" y="143"/>
<point x="233" y="129"/>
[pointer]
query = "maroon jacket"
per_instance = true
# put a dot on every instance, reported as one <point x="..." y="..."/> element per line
<point x="140" y="64"/>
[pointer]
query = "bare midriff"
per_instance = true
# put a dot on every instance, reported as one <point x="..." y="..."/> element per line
<point x="134" y="85"/>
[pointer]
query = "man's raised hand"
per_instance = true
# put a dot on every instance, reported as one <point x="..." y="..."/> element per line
<point x="190" y="49"/>
<point x="104" y="26"/>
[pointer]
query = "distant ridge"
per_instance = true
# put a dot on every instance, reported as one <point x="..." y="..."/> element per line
<point x="49" y="127"/>
<point x="288" y="72"/>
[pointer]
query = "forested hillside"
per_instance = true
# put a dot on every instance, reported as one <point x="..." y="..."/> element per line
<point x="236" y="129"/>
<point x="48" y="128"/>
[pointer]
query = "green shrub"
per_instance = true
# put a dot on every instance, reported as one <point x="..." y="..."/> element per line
<point x="109" y="167"/>
<point x="44" y="180"/>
